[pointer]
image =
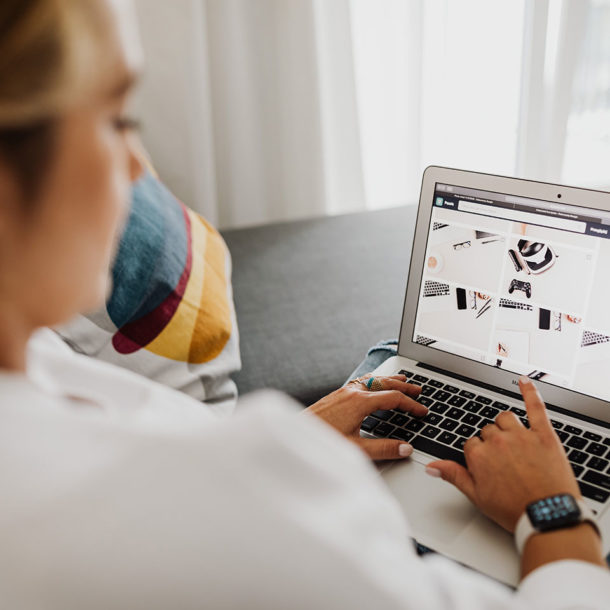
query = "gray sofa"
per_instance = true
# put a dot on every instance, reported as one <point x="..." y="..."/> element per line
<point x="311" y="297"/>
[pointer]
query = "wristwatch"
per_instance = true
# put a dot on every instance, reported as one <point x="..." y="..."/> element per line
<point x="554" y="512"/>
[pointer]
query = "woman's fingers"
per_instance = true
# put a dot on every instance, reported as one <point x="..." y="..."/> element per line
<point x="507" y="420"/>
<point x="393" y="382"/>
<point x="455" y="474"/>
<point x="385" y="448"/>
<point x="488" y="431"/>
<point x="536" y="411"/>
<point x="393" y="399"/>
<point x="390" y="383"/>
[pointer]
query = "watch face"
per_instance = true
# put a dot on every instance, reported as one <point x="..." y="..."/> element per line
<point x="553" y="512"/>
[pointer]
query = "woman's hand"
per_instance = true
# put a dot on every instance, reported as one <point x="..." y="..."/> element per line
<point x="345" y="409"/>
<point x="511" y="466"/>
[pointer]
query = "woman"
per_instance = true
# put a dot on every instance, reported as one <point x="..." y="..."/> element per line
<point x="118" y="492"/>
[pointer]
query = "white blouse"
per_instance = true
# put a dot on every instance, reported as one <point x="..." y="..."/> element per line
<point x="120" y="493"/>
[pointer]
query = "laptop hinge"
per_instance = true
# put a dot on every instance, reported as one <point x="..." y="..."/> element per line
<point x="514" y="395"/>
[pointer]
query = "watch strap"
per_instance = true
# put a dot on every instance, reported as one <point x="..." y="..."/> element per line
<point x="524" y="528"/>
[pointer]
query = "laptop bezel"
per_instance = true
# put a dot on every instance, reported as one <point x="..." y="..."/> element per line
<point x="574" y="402"/>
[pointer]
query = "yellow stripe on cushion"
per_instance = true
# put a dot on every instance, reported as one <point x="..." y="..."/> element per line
<point x="175" y="340"/>
<point x="213" y="325"/>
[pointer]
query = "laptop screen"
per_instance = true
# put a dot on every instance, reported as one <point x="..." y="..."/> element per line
<point x="519" y="284"/>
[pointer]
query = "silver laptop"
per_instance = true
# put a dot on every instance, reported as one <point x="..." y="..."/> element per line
<point x="508" y="277"/>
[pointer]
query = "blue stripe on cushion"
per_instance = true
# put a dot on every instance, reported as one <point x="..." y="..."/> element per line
<point x="151" y="255"/>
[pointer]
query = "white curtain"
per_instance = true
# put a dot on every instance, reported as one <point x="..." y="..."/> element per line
<point x="266" y="110"/>
<point x="249" y="107"/>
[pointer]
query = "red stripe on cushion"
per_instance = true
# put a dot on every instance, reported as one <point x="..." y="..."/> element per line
<point x="137" y="334"/>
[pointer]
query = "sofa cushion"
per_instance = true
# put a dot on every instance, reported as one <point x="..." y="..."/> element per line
<point x="170" y="316"/>
<point x="313" y="295"/>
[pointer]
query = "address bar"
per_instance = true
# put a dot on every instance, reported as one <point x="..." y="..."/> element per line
<point x="538" y="219"/>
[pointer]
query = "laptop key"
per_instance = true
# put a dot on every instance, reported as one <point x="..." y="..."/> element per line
<point x="562" y="435"/>
<point x="573" y="430"/>
<point x="447" y="438"/>
<point x="471" y="419"/>
<point x="597" y="478"/>
<point x="420" y="378"/>
<point x="500" y="405"/>
<point x="525" y="422"/>
<point x="384" y="429"/>
<point x="430" y="431"/>
<point x="442" y="395"/>
<point x="594" y="493"/>
<point x="454" y="413"/>
<point x="433" y="418"/>
<point x="465" y="430"/>
<point x="578" y="470"/>
<point x="456" y="401"/>
<point x="399" y="419"/>
<point x="518" y="412"/>
<point x="556" y="424"/>
<point x="460" y="443"/>
<point x="451" y="388"/>
<point x="577" y="442"/>
<point x="472" y="407"/>
<point x="427" y="390"/>
<point x="578" y="457"/>
<point x="435" y="383"/>
<point x="449" y="424"/>
<point x="467" y="394"/>
<point x="597" y="449"/>
<point x="438" y="450"/>
<point x="489" y="412"/>
<point x="484" y="400"/>
<point x="439" y="407"/>
<point x="415" y="425"/>
<point x="402" y="435"/>
<point x="385" y="415"/>
<point x="407" y="374"/>
<point x="597" y="463"/>
<point x="483" y="423"/>
<point x="368" y="424"/>
<point x="425" y="400"/>
<point x="592" y="436"/>
<point x="606" y="441"/>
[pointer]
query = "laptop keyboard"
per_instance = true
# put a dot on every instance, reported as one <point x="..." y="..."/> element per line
<point x="435" y="289"/>
<point x="508" y="304"/>
<point x="590" y="338"/>
<point x="456" y="414"/>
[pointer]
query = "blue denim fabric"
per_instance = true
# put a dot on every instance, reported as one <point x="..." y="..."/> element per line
<point x="376" y="355"/>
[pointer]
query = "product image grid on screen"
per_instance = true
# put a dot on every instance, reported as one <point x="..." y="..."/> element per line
<point x="518" y="284"/>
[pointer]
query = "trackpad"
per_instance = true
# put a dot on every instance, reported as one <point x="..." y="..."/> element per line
<point x="443" y="519"/>
<point x="438" y="513"/>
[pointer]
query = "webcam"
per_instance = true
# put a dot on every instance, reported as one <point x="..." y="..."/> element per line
<point x="558" y="195"/>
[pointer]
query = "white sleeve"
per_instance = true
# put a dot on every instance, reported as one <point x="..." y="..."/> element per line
<point x="568" y="584"/>
<point x="269" y="510"/>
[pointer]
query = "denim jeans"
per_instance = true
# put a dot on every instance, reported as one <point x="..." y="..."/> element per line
<point x="376" y="355"/>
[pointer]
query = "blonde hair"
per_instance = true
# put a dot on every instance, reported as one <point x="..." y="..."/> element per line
<point x="48" y="50"/>
<point x="49" y="53"/>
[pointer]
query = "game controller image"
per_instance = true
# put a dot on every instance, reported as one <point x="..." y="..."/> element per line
<point x="519" y="285"/>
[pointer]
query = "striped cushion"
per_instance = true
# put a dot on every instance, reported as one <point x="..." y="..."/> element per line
<point x="170" y="316"/>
